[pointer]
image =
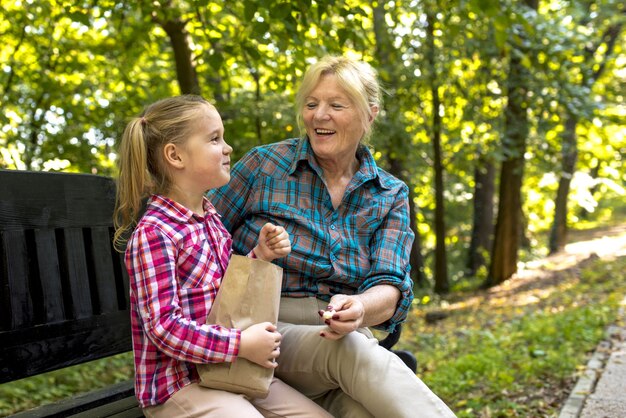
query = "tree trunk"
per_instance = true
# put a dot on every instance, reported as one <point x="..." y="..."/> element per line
<point x="558" y="234"/>
<point x="524" y="239"/>
<point x="185" y="70"/>
<point x="504" y="252"/>
<point x="506" y="241"/>
<point x="441" y="267"/>
<point x="482" y="228"/>
<point x="396" y="142"/>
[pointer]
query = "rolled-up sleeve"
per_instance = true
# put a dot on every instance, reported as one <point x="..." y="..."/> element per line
<point x="390" y="251"/>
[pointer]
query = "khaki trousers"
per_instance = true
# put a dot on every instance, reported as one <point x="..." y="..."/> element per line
<point x="197" y="401"/>
<point x="350" y="377"/>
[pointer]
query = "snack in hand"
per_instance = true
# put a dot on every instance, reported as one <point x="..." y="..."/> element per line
<point x="328" y="314"/>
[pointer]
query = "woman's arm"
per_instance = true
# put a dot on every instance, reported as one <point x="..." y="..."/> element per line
<point x="385" y="294"/>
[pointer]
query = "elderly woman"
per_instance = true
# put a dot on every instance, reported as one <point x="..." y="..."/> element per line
<point x="348" y="269"/>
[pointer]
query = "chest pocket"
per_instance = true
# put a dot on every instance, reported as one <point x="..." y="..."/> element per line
<point x="194" y="264"/>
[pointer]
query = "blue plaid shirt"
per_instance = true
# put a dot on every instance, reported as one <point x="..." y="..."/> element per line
<point x="365" y="242"/>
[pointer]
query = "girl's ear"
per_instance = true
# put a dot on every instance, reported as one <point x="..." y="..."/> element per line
<point x="172" y="156"/>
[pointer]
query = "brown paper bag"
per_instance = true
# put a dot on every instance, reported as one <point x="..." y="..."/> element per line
<point x="249" y="294"/>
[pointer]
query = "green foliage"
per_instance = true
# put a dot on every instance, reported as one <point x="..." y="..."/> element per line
<point x="53" y="386"/>
<point x="516" y="353"/>
<point x="74" y="73"/>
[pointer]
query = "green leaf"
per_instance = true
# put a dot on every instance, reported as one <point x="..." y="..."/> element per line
<point x="216" y="61"/>
<point x="249" y="10"/>
<point x="280" y="10"/>
<point x="259" y="29"/>
<point x="80" y="17"/>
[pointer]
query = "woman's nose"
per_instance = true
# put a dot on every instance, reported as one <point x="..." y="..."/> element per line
<point x="321" y="113"/>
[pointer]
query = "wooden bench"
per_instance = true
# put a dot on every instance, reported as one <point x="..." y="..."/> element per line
<point x="64" y="290"/>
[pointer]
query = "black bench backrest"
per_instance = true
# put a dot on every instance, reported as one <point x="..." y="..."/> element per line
<point x="63" y="288"/>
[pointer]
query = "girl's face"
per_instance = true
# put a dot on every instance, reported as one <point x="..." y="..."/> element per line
<point x="332" y="122"/>
<point x="207" y="155"/>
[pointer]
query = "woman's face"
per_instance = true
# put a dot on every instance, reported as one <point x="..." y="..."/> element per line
<point x="332" y="122"/>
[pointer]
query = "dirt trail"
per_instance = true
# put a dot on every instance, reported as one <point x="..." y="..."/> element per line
<point x="605" y="243"/>
<point x="536" y="278"/>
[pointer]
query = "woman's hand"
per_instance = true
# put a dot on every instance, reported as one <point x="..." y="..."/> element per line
<point x="260" y="343"/>
<point x="273" y="243"/>
<point x="372" y="307"/>
<point x="348" y="314"/>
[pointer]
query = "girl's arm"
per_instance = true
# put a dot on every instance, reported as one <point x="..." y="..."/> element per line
<point x="177" y="332"/>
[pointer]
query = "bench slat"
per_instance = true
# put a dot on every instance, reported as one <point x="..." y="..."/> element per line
<point x="99" y="244"/>
<point x="19" y="304"/>
<point x="123" y="274"/>
<point x="74" y="265"/>
<point x="124" y="408"/>
<point x="50" y="277"/>
<point x="41" y="200"/>
<point x="30" y="351"/>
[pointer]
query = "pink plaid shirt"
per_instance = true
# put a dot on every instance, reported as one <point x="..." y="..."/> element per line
<point x="176" y="260"/>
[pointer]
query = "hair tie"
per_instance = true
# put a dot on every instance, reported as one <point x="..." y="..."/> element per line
<point x="143" y="121"/>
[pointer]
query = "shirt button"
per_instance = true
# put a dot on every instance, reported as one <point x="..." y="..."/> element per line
<point x="332" y="226"/>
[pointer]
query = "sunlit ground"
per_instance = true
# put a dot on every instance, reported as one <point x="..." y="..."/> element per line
<point x="517" y="349"/>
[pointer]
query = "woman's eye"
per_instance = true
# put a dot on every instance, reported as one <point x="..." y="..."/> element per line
<point x="311" y="105"/>
<point x="337" y="106"/>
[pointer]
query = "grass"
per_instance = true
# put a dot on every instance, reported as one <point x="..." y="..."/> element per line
<point x="53" y="386"/>
<point x="516" y="352"/>
<point x="512" y="351"/>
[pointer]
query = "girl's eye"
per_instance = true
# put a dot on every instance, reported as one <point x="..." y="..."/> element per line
<point x="311" y="105"/>
<point x="337" y="106"/>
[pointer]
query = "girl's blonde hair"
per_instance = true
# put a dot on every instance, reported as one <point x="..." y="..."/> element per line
<point x="142" y="168"/>
<point x="357" y="78"/>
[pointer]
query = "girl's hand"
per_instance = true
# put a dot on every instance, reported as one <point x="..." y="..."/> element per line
<point x="273" y="242"/>
<point x="260" y="343"/>
<point x="348" y="313"/>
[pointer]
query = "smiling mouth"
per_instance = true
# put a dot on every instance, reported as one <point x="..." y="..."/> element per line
<point x="324" y="131"/>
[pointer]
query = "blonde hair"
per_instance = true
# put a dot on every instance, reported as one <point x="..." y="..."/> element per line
<point x="357" y="78"/>
<point x="142" y="169"/>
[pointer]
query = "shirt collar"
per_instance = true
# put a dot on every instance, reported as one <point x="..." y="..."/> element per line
<point x="367" y="171"/>
<point x="178" y="212"/>
<point x="303" y="149"/>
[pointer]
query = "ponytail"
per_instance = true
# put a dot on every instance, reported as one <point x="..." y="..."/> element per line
<point x="132" y="183"/>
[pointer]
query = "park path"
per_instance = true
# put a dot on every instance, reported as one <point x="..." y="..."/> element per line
<point x="599" y="392"/>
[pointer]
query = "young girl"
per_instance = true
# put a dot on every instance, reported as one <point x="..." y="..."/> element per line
<point x="176" y="258"/>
